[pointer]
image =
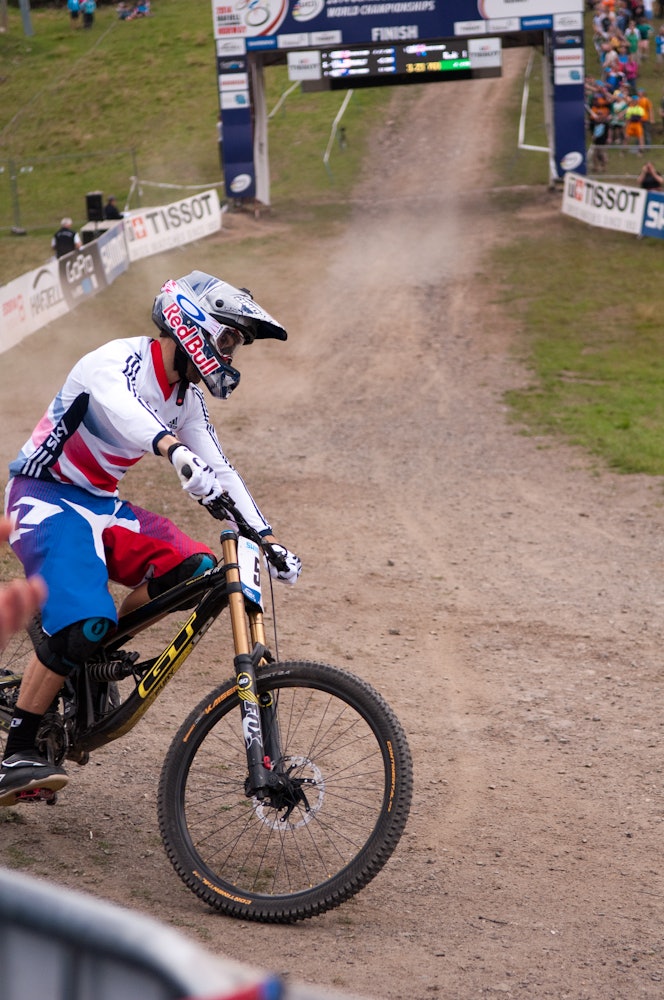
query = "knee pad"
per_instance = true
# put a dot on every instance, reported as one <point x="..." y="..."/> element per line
<point x="189" y="568"/>
<point x="73" y="645"/>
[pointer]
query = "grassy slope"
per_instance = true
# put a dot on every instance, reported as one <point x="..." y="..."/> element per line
<point x="85" y="110"/>
<point x="588" y="304"/>
<point x="594" y="349"/>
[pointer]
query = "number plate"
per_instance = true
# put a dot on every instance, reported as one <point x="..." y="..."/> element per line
<point x="249" y="559"/>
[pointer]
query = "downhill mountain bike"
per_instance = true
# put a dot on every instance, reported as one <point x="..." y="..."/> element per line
<point x="285" y="790"/>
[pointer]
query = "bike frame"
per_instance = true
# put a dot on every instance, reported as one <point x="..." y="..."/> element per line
<point x="215" y="590"/>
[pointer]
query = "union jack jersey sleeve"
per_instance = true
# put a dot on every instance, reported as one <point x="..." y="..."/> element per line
<point x="103" y="420"/>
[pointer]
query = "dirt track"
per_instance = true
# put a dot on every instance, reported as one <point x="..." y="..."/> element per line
<point x="501" y="592"/>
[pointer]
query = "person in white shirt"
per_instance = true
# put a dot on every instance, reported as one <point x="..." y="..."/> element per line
<point x="128" y="398"/>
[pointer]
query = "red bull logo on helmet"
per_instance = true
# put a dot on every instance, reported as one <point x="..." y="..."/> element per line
<point x="191" y="340"/>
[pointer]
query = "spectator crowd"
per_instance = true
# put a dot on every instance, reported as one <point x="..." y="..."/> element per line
<point x="619" y="111"/>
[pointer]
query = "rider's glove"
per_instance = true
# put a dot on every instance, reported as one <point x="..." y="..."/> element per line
<point x="197" y="478"/>
<point x="291" y="565"/>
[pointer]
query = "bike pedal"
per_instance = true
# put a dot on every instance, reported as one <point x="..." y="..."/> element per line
<point x="38" y="795"/>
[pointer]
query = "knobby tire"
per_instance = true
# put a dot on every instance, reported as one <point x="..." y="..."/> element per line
<point x="239" y="855"/>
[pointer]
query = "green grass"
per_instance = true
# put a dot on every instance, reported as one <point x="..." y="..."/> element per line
<point x="585" y="301"/>
<point x="587" y="305"/>
<point x="86" y="110"/>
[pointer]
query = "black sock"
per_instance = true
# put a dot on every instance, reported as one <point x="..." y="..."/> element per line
<point x="23" y="732"/>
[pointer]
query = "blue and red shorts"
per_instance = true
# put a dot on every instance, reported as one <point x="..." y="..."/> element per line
<point x="76" y="542"/>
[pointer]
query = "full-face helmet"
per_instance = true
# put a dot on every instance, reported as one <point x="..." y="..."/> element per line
<point x="208" y="319"/>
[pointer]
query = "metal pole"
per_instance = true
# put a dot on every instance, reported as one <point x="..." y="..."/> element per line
<point x="13" y="186"/>
<point x="135" y="167"/>
<point x="25" y="17"/>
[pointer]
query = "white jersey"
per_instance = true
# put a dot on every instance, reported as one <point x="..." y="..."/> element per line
<point x="115" y="405"/>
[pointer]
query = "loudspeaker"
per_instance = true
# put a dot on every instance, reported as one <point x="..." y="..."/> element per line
<point x="94" y="203"/>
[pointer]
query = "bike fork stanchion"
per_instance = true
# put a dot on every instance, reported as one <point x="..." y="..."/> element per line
<point x="235" y="596"/>
<point x="244" y="671"/>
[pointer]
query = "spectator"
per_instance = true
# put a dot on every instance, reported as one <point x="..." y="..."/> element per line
<point x="66" y="239"/>
<point x="614" y="78"/>
<point x="140" y="10"/>
<point x="631" y="70"/>
<point x="632" y="37"/>
<point x="645" y="31"/>
<point x="648" y="116"/>
<point x="659" y="47"/>
<point x="88" y="7"/>
<point x="650" y="178"/>
<point x="634" y="122"/>
<point x="623" y="16"/>
<point x="111" y="210"/>
<point x="599" y="124"/>
<point x="74" y="8"/>
<point x="618" y="107"/>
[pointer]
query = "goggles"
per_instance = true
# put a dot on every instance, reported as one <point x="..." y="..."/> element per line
<point x="227" y="340"/>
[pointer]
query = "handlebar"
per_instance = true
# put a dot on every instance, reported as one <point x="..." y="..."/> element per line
<point x="222" y="507"/>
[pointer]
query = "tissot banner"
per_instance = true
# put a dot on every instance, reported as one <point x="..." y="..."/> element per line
<point x="153" y="230"/>
<point x="601" y="203"/>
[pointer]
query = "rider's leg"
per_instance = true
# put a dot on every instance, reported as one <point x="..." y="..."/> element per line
<point x="38" y="687"/>
<point x="56" y="656"/>
<point x="187" y="569"/>
<point x="149" y="554"/>
<point x="134" y="599"/>
<point x="52" y="522"/>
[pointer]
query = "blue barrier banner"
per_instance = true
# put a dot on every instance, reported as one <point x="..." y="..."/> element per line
<point x="237" y="145"/>
<point x="568" y="92"/>
<point x="236" y="125"/>
<point x="113" y="252"/>
<point x="653" y="216"/>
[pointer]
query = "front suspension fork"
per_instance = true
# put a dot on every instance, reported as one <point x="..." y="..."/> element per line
<point x="259" y="723"/>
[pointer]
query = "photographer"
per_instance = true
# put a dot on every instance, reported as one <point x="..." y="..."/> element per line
<point x="650" y="178"/>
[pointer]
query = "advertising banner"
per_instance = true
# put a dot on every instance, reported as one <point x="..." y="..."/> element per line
<point x="81" y="274"/>
<point x="153" y="230"/>
<point x="113" y="253"/>
<point x="610" y="206"/>
<point x="653" y="216"/>
<point x="565" y="45"/>
<point x="315" y="24"/>
<point x="30" y="302"/>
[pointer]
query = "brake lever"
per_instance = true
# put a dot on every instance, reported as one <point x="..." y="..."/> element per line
<point x="275" y="558"/>
<point x="219" y="508"/>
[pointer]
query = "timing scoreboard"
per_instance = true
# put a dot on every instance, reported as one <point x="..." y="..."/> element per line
<point x="422" y="57"/>
<point x="379" y="65"/>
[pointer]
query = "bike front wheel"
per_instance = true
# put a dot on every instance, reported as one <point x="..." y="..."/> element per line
<point x="343" y="744"/>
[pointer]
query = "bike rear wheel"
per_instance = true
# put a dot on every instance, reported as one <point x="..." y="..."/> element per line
<point x="248" y="859"/>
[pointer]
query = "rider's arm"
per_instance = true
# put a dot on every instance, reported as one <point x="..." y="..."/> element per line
<point x="282" y="564"/>
<point x="196" y="432"/>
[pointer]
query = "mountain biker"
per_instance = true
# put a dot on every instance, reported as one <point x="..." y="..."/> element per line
<point x="119" y="402"/>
